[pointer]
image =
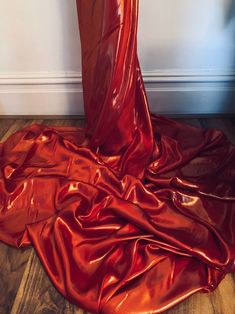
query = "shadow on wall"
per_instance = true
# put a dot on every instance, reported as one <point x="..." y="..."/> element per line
<point x="230" y="11"/>
<point x="229" y="24"/>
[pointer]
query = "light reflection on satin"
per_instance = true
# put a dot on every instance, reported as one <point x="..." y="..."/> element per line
<point x="135" y="212"/>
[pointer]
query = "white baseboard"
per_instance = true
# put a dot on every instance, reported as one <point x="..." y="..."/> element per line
<point x="169" y="92"/>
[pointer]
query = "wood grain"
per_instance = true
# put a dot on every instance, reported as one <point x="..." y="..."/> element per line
<point x="12" y="265"/>
<point x="25" y="287"/>
<point x="36" y="294"/>
<point x="12" y="261"/>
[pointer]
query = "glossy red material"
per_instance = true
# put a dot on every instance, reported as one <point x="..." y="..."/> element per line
<point x="135" y="212"/>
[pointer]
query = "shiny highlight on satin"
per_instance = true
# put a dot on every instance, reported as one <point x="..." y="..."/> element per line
<point x="133" y="213"/>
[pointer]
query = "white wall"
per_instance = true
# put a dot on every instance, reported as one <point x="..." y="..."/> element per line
<point x="186" y="34"/>
<point x="186" y="49"/>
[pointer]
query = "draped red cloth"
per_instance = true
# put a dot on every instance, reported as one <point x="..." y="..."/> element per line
<point x="133" y="213"/>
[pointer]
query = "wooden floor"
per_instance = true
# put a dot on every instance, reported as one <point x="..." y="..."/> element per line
<point x="26" y="289"/>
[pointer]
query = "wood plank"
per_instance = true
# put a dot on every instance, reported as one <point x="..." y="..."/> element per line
<point x="17" y="125"/>
<point x="220" y="301"/>
<point x="4" y="126"/>
<point x="65" y="122"/>
<point x="26" y="288"/>
<point x="12" y="266"/>
<point x="12" y="261"/>
<point x="36" y="293"/>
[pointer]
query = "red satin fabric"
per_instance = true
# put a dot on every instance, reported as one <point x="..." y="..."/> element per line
<point x="133" y="213"/>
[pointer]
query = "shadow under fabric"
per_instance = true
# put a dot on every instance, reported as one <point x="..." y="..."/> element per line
<point x="133" y="213"/>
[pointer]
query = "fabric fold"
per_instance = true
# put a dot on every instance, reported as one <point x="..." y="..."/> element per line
<point x="133" y="213"/>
